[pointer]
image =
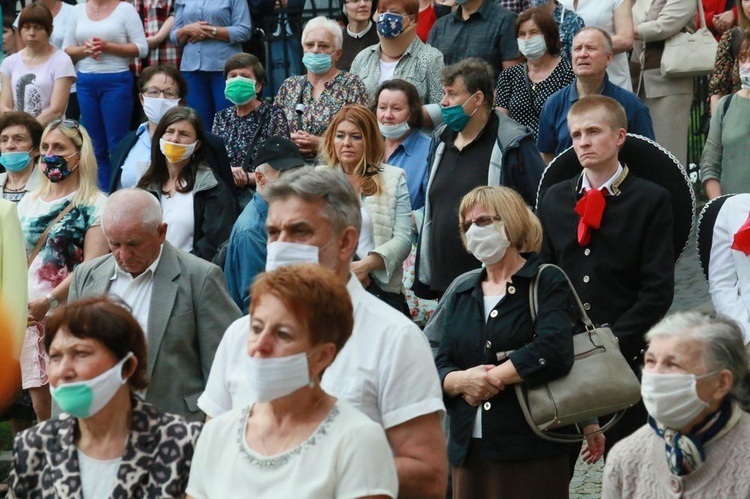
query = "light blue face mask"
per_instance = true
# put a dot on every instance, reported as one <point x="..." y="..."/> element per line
<point x="532" y="48"/>
<point x="15" y="161"/>
<point x="317" y="63"/>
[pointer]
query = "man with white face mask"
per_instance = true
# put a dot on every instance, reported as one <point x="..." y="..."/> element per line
<point x="161" y="88"/>
<point x="386" y="367"/>
<point x="246" y="252"/>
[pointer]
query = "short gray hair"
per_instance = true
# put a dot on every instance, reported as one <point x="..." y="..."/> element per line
<point x="133" y="204"/>
<point x="607" y="37"/>
<point x="327" y="24"/>
<point x="342" y="207"/>
<point x="724" y="346"/>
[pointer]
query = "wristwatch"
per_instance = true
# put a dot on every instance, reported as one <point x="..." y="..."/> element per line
<point x="53" y="303"/>
<point x="213" y="31"/>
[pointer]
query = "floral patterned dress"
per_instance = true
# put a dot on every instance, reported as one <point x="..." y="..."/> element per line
<point x="60" y="254"/>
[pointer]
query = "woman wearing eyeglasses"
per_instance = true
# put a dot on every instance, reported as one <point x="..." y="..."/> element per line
<point x="482" y="316"/>
<point x="198" y="207"/>
<point x="69" y="204"/>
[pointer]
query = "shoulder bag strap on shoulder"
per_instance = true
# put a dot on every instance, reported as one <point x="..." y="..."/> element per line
<point x="43" y="238"/>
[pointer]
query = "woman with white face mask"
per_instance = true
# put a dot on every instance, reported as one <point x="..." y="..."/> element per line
<point x="99" y="444"/>
<point x="523" y="89"/>
<point x="696" y="388"/>
<point x="197" y="206"/>
<point x="488" y="342"/>
<point x="161" y="88"/>
<point x="294" y="440"/>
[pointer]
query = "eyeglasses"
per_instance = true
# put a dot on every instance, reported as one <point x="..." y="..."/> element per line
<point x="155" y="92"/>
<point x="482" y="221"/>
<point x="65" y="123"/>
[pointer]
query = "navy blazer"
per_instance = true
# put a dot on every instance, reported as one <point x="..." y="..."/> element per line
<point x="216" y="157"/>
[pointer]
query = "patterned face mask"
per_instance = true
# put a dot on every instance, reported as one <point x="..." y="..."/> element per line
<point x="390" y="25"/>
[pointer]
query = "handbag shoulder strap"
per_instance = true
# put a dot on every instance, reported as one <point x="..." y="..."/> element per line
<point x="256" y="137"/>
<point x="43" y="238"/>
<point x="534" y="296"/>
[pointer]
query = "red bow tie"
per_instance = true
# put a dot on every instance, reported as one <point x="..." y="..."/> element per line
<point x="742" y="238"/>
<point x="590" y="208"/>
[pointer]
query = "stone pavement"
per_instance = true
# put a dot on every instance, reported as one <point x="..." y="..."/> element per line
<point x="691" y="292"/>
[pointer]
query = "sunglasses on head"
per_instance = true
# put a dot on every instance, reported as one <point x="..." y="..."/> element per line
<point x="482" y="221"/>
<point x="65" y="123"/>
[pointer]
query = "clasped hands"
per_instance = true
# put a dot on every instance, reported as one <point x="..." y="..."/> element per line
<point x="480" y="383"/>
<point x="199" y="31"/>
<point x="94" y="47"/>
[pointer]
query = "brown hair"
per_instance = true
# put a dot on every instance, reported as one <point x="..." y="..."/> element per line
<point x="412" y="99"/>
<point x="612" y="109"/>
<point x="374" y="152"/>
<point x="36" y="13"/>
<point x="521" y="225"/>
<point x="315" y="295"/>
<point x="477" y="75"/>
<point x="166" y="70"/>
<point x="157" y="173"/>
<point x="546" y="24"/>
<point x="244" y="60"/>
<point x="411" y="7"/>
<point x="107" y="320"/>
<point x="20" y="118"/>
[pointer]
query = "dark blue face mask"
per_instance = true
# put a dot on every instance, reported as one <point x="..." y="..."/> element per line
<point x="390" y="25"/>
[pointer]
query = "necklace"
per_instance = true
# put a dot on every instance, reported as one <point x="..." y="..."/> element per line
<point x="293" y="434"/>
<point x="20" y="189"/>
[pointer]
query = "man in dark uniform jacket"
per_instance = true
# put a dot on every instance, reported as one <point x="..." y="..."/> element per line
<point x="612" y="233"/>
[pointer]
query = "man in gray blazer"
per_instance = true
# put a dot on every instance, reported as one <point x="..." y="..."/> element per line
<point x="180" y="300"/>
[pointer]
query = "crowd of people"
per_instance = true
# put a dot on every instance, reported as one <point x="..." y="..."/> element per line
<point x="219" y="284"/>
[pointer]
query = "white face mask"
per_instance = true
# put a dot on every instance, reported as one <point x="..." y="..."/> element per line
<point x="276" y="377"/>
<point x="488" y="244"/>
<point x="394" y="131"/>
<point x="155" y="108"/>
<point x="83" y="399"/>
<point x="532" y="48"/>
<point x="672" y="399"/>
<point x="745" y="76"/>
<point x="175" y="152"/>
<point x="281" y="254"/>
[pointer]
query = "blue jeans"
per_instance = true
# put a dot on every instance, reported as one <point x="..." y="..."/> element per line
<point x="206" y="94"/>
<point x="286" y="61"/>
<point x="106" y="102"/>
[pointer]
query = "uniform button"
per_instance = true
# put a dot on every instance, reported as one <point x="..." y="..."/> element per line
<point x="511" y="290"/>
<point x="586" y="279"/>
<point x="587" y="252"/>
<point x="587" y="306"/>
<point x="488" y="344"/>
<point x="493" y="314"/>
<point x="676" y="484"/>
<point x="487" y="406"/>
<point x="542" y="361"/>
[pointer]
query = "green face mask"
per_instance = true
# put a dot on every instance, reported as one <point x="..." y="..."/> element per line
<point x="83" y="399"/>
<point x="240" y="90"/>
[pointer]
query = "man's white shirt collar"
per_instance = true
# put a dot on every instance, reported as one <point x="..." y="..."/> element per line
<point x="150" y="269"/>
<point x="586" y="185"/>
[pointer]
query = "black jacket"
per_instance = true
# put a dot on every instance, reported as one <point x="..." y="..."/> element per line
<point x="214" y="213"/>
<point x="216" y="157"/>
<point x="625" y="276"/>
<point x="542" y="352"/>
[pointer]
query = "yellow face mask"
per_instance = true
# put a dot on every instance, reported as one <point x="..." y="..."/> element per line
<point x="176" y="152"/>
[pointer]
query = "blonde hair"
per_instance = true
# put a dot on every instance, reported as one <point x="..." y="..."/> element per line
<point x="88" y="176"/>
<point x="521" y="225"/>
<point x="373" y="155"/>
